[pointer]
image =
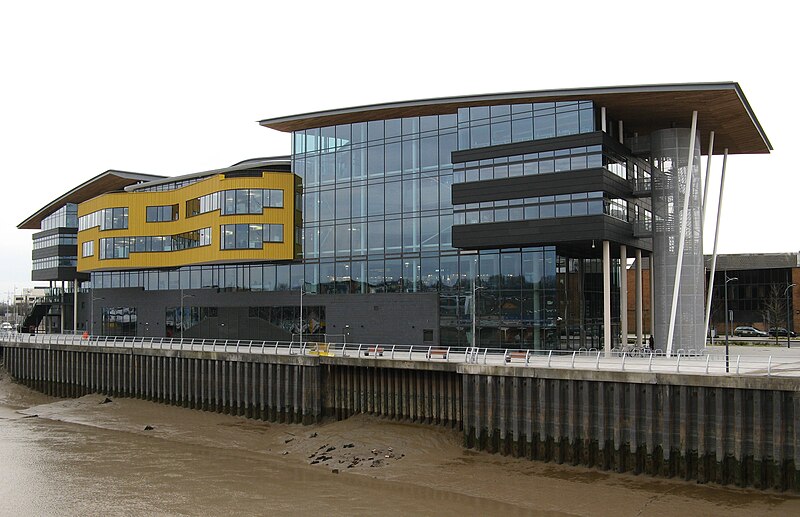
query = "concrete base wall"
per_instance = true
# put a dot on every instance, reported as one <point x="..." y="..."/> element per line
<point x="728" y="430"/>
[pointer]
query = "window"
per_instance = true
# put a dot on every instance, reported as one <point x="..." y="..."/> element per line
<point x="249" y="236"/>
<point x="158" y="214"/>
<point x="247" y="201"/>
<point x="88" y="248"/>
<point x="121" y="247"/>
<point x="106" y="219"/>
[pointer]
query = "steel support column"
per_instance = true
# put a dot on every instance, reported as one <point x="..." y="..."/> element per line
<point x="716" y="239"/>
<point x="607" y="297"/>
<point x="75" y="306"/>
<point x="638" y="287"/>
<point x="623" y="292"/>
<point x="708" y="175"/>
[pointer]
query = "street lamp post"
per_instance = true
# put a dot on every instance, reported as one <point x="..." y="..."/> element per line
<point x="727" y="355"/>
<point x="183" y="297"/>
<point x="788" y="316"/>
<point x="302" y="292"/>
<point x="475" y="290"/>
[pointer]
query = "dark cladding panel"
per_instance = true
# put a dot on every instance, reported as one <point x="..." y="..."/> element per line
<point x="69" y="250"/>
<point x="544" y="232"/>
<point x="58" y="273"/>
<point x="588" y="180"/>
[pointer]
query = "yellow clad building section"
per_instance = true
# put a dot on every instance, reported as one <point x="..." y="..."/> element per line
<point x="138" y="201"/>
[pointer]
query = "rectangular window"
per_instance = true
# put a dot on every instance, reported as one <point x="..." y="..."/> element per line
<point x="247" y="236"/>
<point x="106" y="219"/>
<point x="192" y="207"/>
<point x="158" y="214"/>
<point x="88" y="248"/>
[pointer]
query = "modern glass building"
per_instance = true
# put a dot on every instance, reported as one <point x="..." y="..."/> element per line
<point x="417" y="222"/>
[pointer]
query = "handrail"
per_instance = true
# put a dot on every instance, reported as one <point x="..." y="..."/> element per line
<point x="684" y="362"/>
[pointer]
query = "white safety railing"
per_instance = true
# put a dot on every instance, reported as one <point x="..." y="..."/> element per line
<point x="627" y="360"/>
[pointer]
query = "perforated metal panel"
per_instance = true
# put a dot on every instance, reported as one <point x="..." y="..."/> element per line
<point x="670" y="153"/>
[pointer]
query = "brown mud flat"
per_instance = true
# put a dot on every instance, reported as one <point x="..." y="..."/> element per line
<point x="399" y="455"/>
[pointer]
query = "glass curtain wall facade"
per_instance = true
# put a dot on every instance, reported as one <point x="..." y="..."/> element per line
<point x="378" y="215"/>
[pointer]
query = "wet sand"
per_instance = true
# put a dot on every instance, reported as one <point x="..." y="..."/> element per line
<point x="82" y="456"/>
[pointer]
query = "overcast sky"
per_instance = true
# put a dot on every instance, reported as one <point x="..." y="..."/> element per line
<point x="174" y="87"/>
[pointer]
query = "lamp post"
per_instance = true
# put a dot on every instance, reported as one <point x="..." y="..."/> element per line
<point x="475" y="290"/>
<point x="788" y="316"/>
<point x="302" y="292"/>
<point x="183" y="297"/>
<point x="727" y="363"/>
<point x="91" y="318"/>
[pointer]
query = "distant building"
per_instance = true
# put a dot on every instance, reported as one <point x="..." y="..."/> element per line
<point x="759" y="278"/>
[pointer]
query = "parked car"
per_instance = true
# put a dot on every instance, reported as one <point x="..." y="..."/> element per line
<point x="780" y="331"/>
<point x="6" y="326"/>
<point x="749" y="332"/>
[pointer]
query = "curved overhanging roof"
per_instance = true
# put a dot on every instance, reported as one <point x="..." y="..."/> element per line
<point x="722" y="108"/>
<point x="282" y="162"/>
<point x="108" y="181"/>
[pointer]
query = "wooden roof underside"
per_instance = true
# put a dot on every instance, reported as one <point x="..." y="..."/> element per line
<point x="109" y="181"/>
<point x="721" y="107"/>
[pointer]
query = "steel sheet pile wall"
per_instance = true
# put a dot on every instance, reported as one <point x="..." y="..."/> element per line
<point x="741" y="431"/>
<point x="395" y="390"/>
<point x="274" y="388"/>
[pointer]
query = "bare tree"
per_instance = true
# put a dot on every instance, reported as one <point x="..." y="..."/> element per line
<point x="774" y="308"/>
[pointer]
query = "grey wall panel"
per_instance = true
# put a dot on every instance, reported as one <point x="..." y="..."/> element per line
<point x="398" y="318"/>
<point x="588" y="180"/>
<point x="544" y="232"/>
<point x="65" y="250"/>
